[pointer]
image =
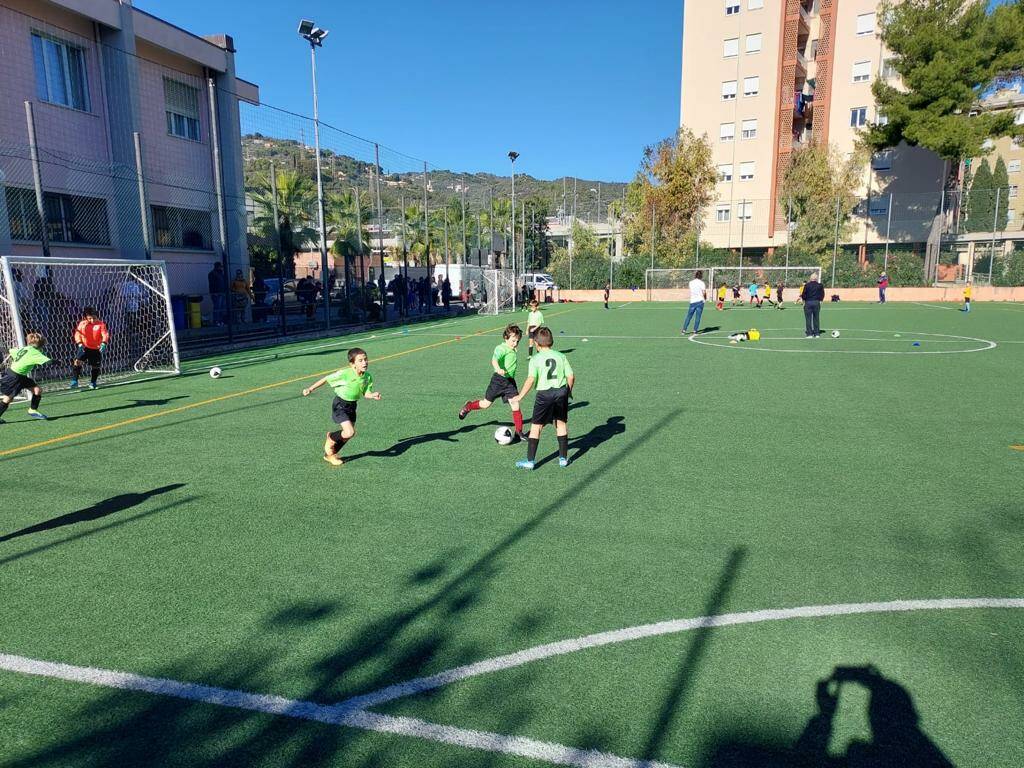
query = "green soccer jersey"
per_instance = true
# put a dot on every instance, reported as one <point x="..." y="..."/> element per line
<point x="535" y="319"/>
<point x="349" y="385"/>
<point x="506" y="358"/>
<point x="25" y="360"/>
<point x="550" y="369"/>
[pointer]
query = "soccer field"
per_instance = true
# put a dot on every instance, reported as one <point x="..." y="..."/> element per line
<point x="761" y="554"/>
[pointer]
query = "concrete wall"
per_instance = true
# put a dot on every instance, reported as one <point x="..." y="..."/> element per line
<point x="954" y="294"/>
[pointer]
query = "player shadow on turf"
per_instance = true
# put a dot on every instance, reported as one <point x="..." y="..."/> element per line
<point x="123" y="407"/>
<point x="403" y="445"/>
<point x="97" y="511"/>
<point x="708" y="329"/>
<point x="897" y="739"/>
<point x="581" y="445"/>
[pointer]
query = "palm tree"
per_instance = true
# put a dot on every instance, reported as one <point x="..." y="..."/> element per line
<point x="296" y="206"/>
<point x="344" y="216"/>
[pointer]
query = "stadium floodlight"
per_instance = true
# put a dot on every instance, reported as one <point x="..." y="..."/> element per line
<point x="512" y="156"/>
<point x="305" y="27"/>
<point x="311" y="32"/>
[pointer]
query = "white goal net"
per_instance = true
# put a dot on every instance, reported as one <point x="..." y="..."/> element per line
<point x="48" y="296"/>
<point x="499" y="291"/>
<point x="668" y="280"/>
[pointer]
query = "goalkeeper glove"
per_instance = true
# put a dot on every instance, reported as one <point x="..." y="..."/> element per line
<point x="103" y="346"/>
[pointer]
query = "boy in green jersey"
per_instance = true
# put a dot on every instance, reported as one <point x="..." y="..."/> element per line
<point x="349" y="385"/>
<point x="554" y="377"/>
<point x="534" y="320"/>
<point x="24" y="361"/>
<point x="503" y="380"/>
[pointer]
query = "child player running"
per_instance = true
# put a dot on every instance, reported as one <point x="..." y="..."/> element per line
<point x="551" y="372"/>
<point x="350" y="385"/>
<point x="23" y="361"/>
<point x="91" y="339"/>
<point x="720" y="304"/>
<point x="534" y="320"/>
<point x="503" y="381"/>
<point x="778" y="294"/>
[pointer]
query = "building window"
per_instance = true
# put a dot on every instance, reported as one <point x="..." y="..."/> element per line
<point x="722" y="214"/>
<point x="888" y="68"/>
<point x="731" y="47"/>
<point x="747" y="171"/>
<point x="727" y="131"/>
<point x="69" y="218"/>
<point x="749" y="129"/>
<point x="725" y="172"/>
<point x="1019" y="117"/>
<point x="181" y="228"/>
<point x="60" y="72"/>
<point x="181" y="103"/>
<point x="728" y="90"/>
<point x="861" y="71"/>
<point x="865" y="24"/>
<point x="754" y="5"/>
<point x="881" y="118"/>
<point x="751" y="85"/>
<point x="732" y="7"/>
<point x="878" y="207"/>
<point x="882" y="161"/>
<point x="858" y="117"/>
<point x="1013" y="191"/>
<point x="754" y="43"/>
<point x="812" y="50"/>
<point x="1013" y="166"/>
<point x="744" y="211"/>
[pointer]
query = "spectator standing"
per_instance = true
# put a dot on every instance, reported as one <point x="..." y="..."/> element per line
<point x="883" y="283"/>
<point x="698" y="293"/>
<point x="446" y="293"/>
<point x="217" y="282"/>
<point x="240" y="296"/>
<point x="259" y="299"/>
<point x="812" y="294"/>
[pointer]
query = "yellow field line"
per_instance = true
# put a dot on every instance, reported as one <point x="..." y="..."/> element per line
<point x="221" y="398"/>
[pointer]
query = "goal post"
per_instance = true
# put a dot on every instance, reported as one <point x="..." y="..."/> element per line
<point x="47" y="295"/>
<point x="499" y="291"/>
<point x="669" y="280"/>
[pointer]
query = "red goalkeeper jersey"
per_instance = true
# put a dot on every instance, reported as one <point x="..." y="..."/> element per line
<point x="91" y="335"/>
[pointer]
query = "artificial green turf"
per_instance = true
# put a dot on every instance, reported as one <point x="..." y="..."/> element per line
<point x="707" y="478"/>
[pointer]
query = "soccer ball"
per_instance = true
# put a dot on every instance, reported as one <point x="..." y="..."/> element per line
<point x="215" y="372"/>
<point x="835" y="334"/>
<point x="503" y="435"/>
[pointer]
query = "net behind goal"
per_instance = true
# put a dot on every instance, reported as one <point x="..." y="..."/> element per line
<point x="672" y="284"/>
<point x="47" y="296"/>
<point x="499" y="291"/>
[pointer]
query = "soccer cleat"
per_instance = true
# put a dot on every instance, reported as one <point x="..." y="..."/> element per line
<point x="333" y="459"/>
<point x="74" y="384"/>
<point x="563" y="462"/>
<point x="463" y="414"/>
<point x="524" y="464"/>
<point x="93" y="385"/>
<point x="36" y="415"/>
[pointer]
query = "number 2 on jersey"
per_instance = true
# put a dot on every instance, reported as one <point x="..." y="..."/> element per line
<point x="552" y="365"/>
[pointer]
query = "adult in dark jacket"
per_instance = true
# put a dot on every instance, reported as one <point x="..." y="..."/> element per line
<point x="812" y="294"/>
<point x="217" y="282"/>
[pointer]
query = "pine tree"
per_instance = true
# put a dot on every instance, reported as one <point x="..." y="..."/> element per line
<point x="981" y="200"/>
<point x="1001" y="182"/>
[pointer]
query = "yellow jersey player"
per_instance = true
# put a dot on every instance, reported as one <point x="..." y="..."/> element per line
<point x="551" y="372"/>
<point x="350" y="385"/>
<point x="967" y="298"/>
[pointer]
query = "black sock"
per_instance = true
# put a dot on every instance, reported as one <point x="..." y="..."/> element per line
<point x="34" y="403"/>
<point x="563" y="446"/>
<point x="3" y="407"/>
<point x="95" y="374"/>
<point x="531" y="448"/>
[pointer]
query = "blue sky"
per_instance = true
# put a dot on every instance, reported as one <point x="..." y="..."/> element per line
<point x="577" y="87"/>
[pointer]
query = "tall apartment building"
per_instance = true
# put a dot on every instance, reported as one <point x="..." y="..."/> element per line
<point x="762" y="78"/>
<point x="98" y="73"/>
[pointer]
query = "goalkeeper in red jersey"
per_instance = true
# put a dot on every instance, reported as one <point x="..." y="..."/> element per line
<point x="91" y="338"/>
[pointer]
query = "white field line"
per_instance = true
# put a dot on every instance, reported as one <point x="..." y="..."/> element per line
<point x="817" y="346"/>
<point x="934" y="306"/>
<point x="352" y="712"/>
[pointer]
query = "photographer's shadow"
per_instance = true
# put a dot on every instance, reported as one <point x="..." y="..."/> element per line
<point x="897" y="739"/>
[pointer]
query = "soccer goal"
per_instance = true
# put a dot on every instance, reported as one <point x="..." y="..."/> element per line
<point x="668" y="280"/>
<point x="499" y="291"/>
<point x="47" y="296"/>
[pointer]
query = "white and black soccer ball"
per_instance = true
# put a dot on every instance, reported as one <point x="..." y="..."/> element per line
<point x="504" y="435"/>
<point x="215" y="372"/>
<point x="835" y="334"/>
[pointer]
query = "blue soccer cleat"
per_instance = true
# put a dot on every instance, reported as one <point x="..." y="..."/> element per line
<point x="36" y="415"/>
<point x="74" y="384"/>
<point x="524" y="464"/>
<point x="563" y="462"/>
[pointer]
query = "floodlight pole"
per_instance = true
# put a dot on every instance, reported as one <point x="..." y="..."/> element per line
<point x="313" y="43"/>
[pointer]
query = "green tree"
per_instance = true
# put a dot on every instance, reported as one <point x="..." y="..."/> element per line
<point x="820" y="183"/>
<point x="586" y="264"/>
<point x="948" y="54"/>
<point x="981" y="199"/>
<point x="296" y="210"/>
<point x="344" y="227"/>
<point x="676" y="182"/>
<point x="1001" y="183"/>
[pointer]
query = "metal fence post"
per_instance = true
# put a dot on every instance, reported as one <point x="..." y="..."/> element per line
<point x="888" y="231"/>
<point x="992" y="245"/>
<point x="218" y="186"/>
<point x="280" y="250"/>
<point x="359" y="244"/>
<point x="426" y="227"/>
<point x="37" y="178"/>
<point x="789" y="230"/>
<point x="743" y="233"/>
<point x="143" y="207"/>
<point x="835" y="244"/>
<point x="465" y="245"/>
<point x="380" y="232"/>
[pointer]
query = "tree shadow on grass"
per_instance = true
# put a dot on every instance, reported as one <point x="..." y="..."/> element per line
<point x="96" y="511"/>
<point x="403" y="445"/>
<point x="431" y="630"/>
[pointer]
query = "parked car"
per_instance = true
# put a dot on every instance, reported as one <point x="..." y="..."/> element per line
<point x="539" y="281"/>
<point x="273" y="300"/>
